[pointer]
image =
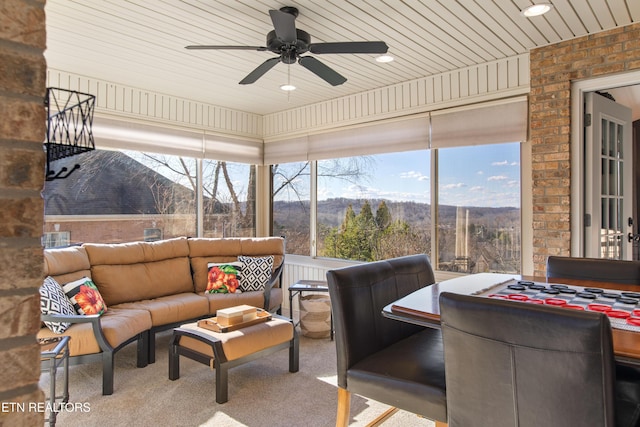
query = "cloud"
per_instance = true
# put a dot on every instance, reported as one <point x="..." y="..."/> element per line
<point x="363" y="192"/>
<point x="505" y="163"/>
<point x="497" y="178"/>
<point x="414" y="175"/>
<point x="450" y="186"/>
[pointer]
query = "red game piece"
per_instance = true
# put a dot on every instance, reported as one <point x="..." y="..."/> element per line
<point x="599" y="307"/>
<point x="518" y="297"/>
<point x="636" y="313"/>
<point x="618" y="314"/>
<point x="555" y="301"/>
<point x="635" y="321"/>
<point x="497" y="296"/>
<point x="573" y="306"/>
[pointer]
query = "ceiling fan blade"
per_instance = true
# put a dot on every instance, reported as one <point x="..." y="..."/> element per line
<point x="259" y="72"/>
<point x="285" y="25"/>
<point x="321" y="70"/>
<point x="349" y="47"/>
<point x="258" y="48"/>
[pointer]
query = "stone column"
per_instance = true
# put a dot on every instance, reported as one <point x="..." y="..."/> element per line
<point x="22" y="131"/>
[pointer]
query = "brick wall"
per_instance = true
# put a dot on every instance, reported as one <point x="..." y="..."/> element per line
<point x="22" y="129"/>
<point x="552" y="70"/>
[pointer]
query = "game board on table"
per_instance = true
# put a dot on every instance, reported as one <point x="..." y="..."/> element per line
<point x="622" y="307"/>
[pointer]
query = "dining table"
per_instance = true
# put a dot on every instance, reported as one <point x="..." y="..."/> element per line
<point x="422" y="307"/>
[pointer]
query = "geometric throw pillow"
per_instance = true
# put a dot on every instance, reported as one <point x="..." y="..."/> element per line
<point x="223" y="278"/>
<point x="256" y="272"/>
<point x="54" y="301"/>
<point x="85" y="297"/>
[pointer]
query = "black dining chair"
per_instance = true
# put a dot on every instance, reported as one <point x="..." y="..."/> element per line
<point x="516" y="364"/>
<point x="392" y="362"/>
<point x="573" y="270"/>
<point x="577" y="270"/>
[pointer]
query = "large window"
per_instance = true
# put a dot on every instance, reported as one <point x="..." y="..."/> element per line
<point x="379" y="206"/>
<point x="479" y="209"/>
<point x="229" y="199"/>
<point x="123" y="196"/>
<point x="291" y="190"/>
<point x="374" y="207"/>
<point x="368" y="207"/>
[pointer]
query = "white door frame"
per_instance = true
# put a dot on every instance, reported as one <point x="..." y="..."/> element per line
<point x="578" y="88"/>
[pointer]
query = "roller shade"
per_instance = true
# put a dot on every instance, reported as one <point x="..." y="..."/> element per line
<point x="119" y="134"/>
<point x="494" y="122"/>
<point x="286" y="151"/>
<point x="382" y="137"/>
<point x="487" y="123"/>
<point x="233" y="150"/>
<point x="150" y="138"/>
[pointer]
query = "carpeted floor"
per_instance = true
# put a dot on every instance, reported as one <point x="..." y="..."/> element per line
<point x="261" y="393"/>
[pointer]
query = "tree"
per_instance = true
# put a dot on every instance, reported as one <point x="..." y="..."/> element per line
<point x="227" y="212"/>
<point x="291" y="188"/>
<point x="359" y="237"/>
<point x="229" y="202"/>
<point x="383" y="216"/>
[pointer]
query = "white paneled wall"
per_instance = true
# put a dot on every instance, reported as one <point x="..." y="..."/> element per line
<point x="305" y="268"/>
<point x="493" y="80"/>
<point x="124" y="101"/>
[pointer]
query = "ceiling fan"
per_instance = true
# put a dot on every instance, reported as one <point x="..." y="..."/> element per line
<point x="290" y="43"/>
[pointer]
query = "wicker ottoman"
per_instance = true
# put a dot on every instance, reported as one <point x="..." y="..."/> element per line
<point x="222" y="351"/>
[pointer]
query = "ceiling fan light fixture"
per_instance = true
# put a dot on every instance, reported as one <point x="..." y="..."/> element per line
<point x="291" y="43"/>
<point x="536" y="9"/>
<point x="384" y="58"/>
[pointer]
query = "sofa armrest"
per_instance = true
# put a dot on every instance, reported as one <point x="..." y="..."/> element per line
<point x="94" y="319"/>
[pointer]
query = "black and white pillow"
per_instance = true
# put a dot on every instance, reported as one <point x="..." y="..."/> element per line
<point x="54" y="301"/>
<point x="256" y="272"/>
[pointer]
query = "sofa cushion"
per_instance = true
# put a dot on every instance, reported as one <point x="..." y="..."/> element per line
<point x="241" y="342"/>
<point x="223" y="278"/>
<point x="256" y="272"/>
<point x="205" y="250"/>
<point x="118" y="327"/>
<point x="67" y="264"/>
<point x="54" y="301"/>
<point x="219" y="301"/>
<point x="261" y="246"/>
<point x="172" y="308"/>
<point x="129" y="272"/>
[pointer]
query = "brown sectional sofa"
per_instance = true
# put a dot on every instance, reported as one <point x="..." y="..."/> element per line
<point x="152" y="286"/>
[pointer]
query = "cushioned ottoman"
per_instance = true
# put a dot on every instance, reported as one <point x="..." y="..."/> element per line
<point x="222" y="351"/>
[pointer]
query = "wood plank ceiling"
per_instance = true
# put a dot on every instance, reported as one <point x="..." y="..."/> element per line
<point x="140" y="43"/>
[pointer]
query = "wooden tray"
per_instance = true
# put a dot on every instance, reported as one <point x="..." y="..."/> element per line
<point x="212" y="323"/>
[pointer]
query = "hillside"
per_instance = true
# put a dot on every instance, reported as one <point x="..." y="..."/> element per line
<point x="331" y="212"/>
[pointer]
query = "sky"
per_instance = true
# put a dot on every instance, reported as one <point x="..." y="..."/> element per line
<point x="487" y="176"/>
<point x="482" y="176"/>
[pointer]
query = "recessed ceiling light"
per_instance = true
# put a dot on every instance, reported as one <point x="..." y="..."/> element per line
<point x="536" y="9"/>
<point x="384" y="58"/>
<point x="288" y="87"/>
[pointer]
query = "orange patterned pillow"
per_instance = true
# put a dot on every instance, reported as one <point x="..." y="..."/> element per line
<point x="85" y="297"/>
<point x="223" y="278"/>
